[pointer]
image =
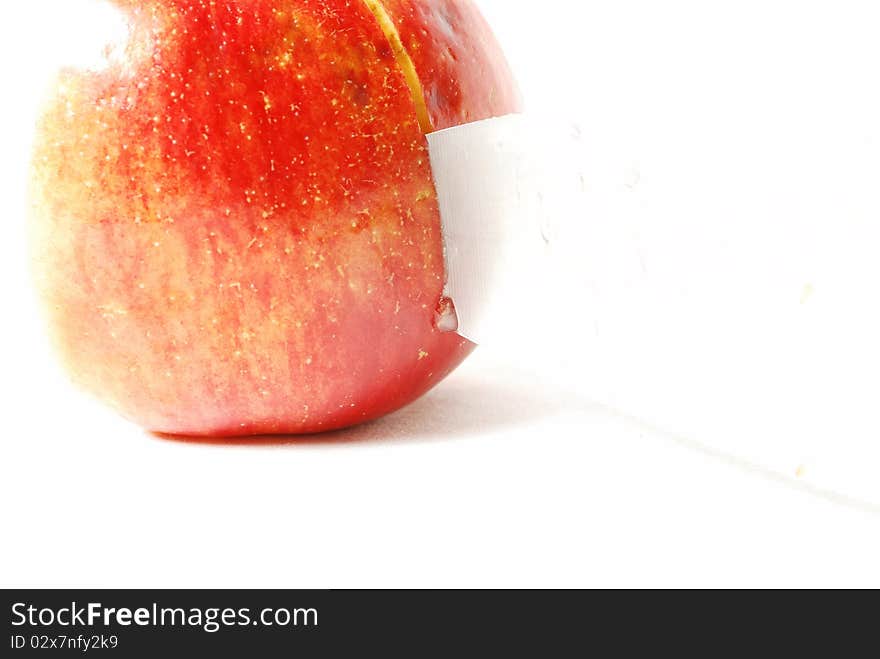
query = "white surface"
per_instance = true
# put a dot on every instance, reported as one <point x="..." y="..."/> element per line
<point x="756" y="116"/>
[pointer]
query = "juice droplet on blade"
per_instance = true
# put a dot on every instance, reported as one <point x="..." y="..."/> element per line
<point x="446" y="318"/>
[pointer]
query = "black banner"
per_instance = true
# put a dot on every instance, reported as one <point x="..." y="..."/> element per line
<point x="282" y="623"/>
<point x="285" y="623"/>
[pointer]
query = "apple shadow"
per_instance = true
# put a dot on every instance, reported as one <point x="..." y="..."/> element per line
<point x="457" y="409"/>
<point x="467" y="407"/>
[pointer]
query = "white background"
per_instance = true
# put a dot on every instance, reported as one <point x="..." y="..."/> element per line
<point x="690" y="400"/>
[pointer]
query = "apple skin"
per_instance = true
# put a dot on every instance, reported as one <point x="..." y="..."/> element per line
<point x="464" y="74"/>
<point x="235" y="228"/>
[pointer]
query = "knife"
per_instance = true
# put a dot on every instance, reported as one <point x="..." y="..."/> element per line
<point x="740" y="312"/>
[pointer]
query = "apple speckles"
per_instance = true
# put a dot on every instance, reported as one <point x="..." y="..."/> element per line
<point x="463" y="72"/>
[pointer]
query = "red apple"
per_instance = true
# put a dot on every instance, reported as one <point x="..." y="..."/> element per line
<point x="236" y="227"/>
